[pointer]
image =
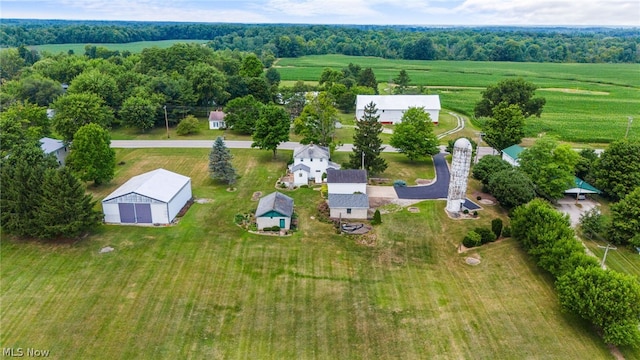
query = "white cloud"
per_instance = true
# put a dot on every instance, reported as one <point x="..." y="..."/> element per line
<point x="553" y="12"/>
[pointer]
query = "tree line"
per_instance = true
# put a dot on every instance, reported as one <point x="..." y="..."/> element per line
<point x="591" y="45"/>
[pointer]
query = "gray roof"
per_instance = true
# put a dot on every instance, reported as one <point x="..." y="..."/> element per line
<point x="311" y="151"/>
<point x="50" y="145"/>
<point x="159" y="184"/>
<point x="303" y="167"/>
<point x="349" y="201"/>
<point x="275" y="201"/>
<point x="346" y="176"/>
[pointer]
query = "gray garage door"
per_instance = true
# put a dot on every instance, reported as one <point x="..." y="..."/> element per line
<point x="127" y="213"/>
<point x="143" y="213"/>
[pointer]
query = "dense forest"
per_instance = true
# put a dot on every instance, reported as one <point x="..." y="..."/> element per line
<point x="542" y="44"/>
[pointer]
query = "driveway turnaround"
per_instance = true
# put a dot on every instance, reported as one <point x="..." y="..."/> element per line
<point x="436" y="190"/>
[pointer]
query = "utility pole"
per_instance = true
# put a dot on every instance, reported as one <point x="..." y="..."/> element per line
<point x="606" y="250"/>
<point x="629" y="121"/>
<point x="362" y="159"/>
<point x="166" y="120"/>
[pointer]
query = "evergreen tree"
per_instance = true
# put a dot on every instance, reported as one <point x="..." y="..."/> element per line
<point x="66" y="210"/>
<point x="367" y="144"/>
<point x="91" y="157"/>
<point x="21" y="176"/>
<point x="402" y="82"/>
<point x="220" y="167"/>
<point x="368" y="78"/>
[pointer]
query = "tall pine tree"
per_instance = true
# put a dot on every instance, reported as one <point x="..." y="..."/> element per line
<point x="367" y="141"/>
<point x="66" y="210"/>
<point x="220" y="167"/>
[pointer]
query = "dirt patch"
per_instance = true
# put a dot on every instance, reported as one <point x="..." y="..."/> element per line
<point x="203" y="201"/>
<point x="256" y="196"/>
<point x="576" y="91"/>
<point x="413" y="209"/>
<point x="483" y="196"/>
<point x="424" y="181"/>
<point x="487" y="202"/>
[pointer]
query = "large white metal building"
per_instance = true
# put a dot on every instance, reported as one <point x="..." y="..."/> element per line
<point x="155" y="197"/>
<point x="392" y="107"/>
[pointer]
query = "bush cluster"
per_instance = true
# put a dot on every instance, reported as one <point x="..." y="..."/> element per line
<point x="609" y="300"/>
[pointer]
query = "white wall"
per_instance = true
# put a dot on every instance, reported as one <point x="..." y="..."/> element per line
<point x="355" y="213"/>
<point x="317" y="166"/>
<point x="111" y="213"/>
<point x="300" y="177"/>
<point x="264" y="222"/>
<point x="394" y="116"/>
<point x="509" y="159"/>
<point x="159" y="213"/>
<point x="179" y="200"/>
<point x="346" y="188"/>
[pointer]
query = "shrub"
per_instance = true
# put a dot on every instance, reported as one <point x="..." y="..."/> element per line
<point x="238" y="219"/>
<point x="475" y="213"/>
<point x="465" y="211"/>
<point x="400" y="183"/>
<point x="486" y="234"/>
<point x="496" y="227"/>
<point x="506" y="231"/>
<point x="304" y="186"/>
<point x="478" y="197"/>
<point x="323" y="211"/>
<point x="188" y="126"/>
<point x="377" y="219"/>
<point x="324" y="190"/>
<point x="472" y="239"/>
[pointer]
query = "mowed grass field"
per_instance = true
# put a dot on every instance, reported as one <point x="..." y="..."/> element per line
<point x="133" y="47"/>
<point x="585" y="102"/>
<point x="206" y="289"/>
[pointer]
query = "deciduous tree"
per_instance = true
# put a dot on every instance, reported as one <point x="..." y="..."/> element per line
<point x="510" y="92"/>
<point x="96" y="82"/>
<point x="608" y="299"/>
<point x="414" y="136"/>
<point x="488" y="165"/>
<point x="505" y="127"/>
<point x="75" y="110"/>
<point x="550" y="166"/>
<point x="220" y="167"/>
<point x="272" y="128"/>
<point x="511" y="187"/>
<point x="242" y="114"/>
<point x="139" y="112"/>
<point x="367" y="144"/>
<point x="317" y="122"/>
<point x="617" y="172"/>
<point x="625" y="218"/>
<point x="91" y="157"/>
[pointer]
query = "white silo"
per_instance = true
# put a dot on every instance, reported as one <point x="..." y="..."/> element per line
<point x="460" y="164"/>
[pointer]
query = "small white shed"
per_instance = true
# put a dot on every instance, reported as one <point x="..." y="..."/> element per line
<point x="349" y="181"/>
<point x="348" y="206"/>
<point x="392" y="107"/>
<point x="275" y="209"/>
<point x="55" y="147"/>
<point x="155" y="197"/>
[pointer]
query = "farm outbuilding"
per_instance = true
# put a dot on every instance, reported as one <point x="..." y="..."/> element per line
<point x="155" y="197"/>
<point x="275" y="209"/>
<point x="392" y="107"/>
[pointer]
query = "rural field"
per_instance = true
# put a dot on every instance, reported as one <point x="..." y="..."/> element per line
<point x="587" y="103"/>
<point x="206" y="289"/>
<point x="133" y="47"/>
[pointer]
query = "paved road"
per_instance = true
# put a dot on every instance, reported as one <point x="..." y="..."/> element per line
<point x="231" y="144"/>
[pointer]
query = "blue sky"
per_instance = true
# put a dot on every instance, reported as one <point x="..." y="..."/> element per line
<point x="384" y="12"/>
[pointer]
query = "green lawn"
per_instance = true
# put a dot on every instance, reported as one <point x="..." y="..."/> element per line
<point x="133" y="47"/>
<point x="585" y="102"/>
<point x="207" y="289"/>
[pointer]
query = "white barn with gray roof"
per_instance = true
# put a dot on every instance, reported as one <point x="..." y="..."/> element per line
<point x="155" y="197"/>
<point x="310" y="162"/>
<point x="392" y="107"/>
<point x="275" y="209"/>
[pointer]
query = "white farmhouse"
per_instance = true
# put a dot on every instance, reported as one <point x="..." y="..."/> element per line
<point x="310" y="162"/>
<point x="216" y="120"/>
<point x="155" y="197"/>
<point x="55" y="147"/>
<point x="392" y="107"/>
